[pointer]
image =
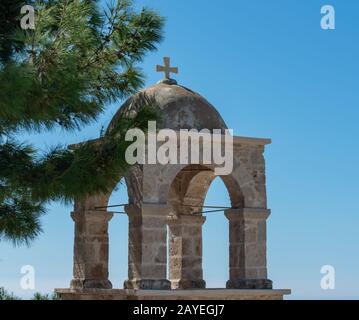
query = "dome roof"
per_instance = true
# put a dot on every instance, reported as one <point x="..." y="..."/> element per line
<point x="180" y="108"/>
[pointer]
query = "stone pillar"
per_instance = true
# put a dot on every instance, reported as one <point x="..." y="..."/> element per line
<point x="91" y="249"/>
<point x="147" y="247"/>
<point x="247" y="249"/>
<point x="186" y="251"/>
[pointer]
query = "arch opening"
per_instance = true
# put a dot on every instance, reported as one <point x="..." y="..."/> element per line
<point x="215" y="236"/>
<point x="118" y="236"/>
<point x="190" y="235"/>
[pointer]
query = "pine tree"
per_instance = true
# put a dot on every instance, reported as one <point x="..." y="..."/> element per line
<point x="79" y="58"/>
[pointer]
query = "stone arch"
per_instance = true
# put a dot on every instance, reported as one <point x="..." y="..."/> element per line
<point x="167" y="194"/>
<point x="134" y="183"/>
<point x="189" y="188"/>
<point x="91" y="246"/>
<point x="186" y="197"/>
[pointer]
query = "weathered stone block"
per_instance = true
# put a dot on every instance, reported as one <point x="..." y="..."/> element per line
<point x="255" y="254"/>
<point x="249" y="284"/>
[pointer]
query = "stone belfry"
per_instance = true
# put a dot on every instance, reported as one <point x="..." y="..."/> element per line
<point x="171" y="197"/>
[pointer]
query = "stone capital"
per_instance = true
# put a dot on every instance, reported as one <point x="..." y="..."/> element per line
<point x="155" y="209"/>
<point x="247" y="214"/>
<point x="91" y="202"/>
<point x="186" y="220"/>
<point x="132" y="210"/>
<point x="92" y="215"/>
<point x="147" y="210"/>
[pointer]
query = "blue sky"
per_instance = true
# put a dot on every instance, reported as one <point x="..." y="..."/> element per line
<point x="271" y="71"/>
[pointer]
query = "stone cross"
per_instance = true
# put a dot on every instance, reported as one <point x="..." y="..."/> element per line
<point x="166" y="68"/>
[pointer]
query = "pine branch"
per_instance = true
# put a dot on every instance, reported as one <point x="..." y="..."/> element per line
<point x="63" y="74"/>
<point x="75" y="67"/>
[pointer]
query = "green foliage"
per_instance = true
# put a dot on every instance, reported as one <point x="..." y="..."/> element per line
<point x="61" y="75"/>
<point x="4" y="295"/>
<point x="40" y="296"/>
<point x="9" y="17"/>
<point x="75" y="61"/>
<point x="64" y="173"/>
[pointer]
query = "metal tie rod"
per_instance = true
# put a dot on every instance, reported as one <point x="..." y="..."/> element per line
<point x="181" y="205"/>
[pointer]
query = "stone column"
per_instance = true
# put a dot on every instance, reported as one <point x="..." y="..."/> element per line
<point x="186" y="252"/>
<point x="91" y="249"/>
<point x="247" y="249"/>
<point x="147" y="247"/>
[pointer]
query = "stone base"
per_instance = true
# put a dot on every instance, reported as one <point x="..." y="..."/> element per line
<point x="250" y="284"/>
<point x="188" y="284"/>
<point x="144" y="284"/>
<point x="206" y="294"/>
<point x="87" y="284"/>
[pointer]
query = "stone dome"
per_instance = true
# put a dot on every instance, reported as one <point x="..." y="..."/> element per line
<point x="180" y="108"/>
